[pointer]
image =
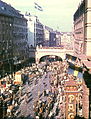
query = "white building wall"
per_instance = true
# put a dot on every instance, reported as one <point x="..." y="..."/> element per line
<point x="31" y="33"/>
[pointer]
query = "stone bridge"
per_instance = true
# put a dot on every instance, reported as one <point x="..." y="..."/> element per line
<point x="55" y="51"/>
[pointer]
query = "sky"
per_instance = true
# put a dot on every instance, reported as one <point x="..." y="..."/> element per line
<point x="57" y="14"/>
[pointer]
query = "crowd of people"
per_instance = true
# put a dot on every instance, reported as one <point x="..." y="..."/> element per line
<point x="49" y="109"/>
<point x="8" y="97"/>
<point x="55" y="108"/>
<point x="54" y="105"/>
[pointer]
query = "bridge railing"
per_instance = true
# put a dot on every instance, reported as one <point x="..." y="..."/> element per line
<point x="50" y="47"/>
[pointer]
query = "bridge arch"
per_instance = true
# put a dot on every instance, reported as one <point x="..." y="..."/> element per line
<point x="40" y="52"/>
<point x="57" y="58"/>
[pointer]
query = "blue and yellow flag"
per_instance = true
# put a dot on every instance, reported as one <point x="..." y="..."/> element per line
<point x="75" y="73"/>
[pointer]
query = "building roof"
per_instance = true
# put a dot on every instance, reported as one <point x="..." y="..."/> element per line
<point x="80" y="10"/>
<point x="8" y="10"/>
<point x="66" y="33"/>
<point x="57" y="32"/>
<point x="48" y="28"/>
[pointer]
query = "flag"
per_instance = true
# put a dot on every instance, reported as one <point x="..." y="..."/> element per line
<point x="38" y="7"/>
<point x="75" y="73"/>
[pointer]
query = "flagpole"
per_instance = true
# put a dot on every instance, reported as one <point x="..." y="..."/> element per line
<point x="37" y="8"/>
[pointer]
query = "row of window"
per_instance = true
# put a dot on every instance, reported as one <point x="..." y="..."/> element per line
<point x="19" y="29"/>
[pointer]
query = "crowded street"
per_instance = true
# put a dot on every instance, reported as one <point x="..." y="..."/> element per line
<point x="45" y="60"/>
<point x="42" y="94"/>
<point x="31" y="93"/>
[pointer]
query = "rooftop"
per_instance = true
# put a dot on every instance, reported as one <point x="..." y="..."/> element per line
<point x="48" y="28"/>
<point x="6" y="9"/>
<point x="80" y="10"/>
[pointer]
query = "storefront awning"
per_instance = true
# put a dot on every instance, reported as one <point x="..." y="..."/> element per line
<point x="81" y="57"/>
<point x="87" y="64"/>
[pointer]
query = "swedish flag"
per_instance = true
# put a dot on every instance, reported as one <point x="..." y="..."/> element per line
<point x="38" y="7"/>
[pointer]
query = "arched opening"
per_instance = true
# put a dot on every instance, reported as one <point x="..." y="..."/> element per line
<point x="50" y="58"/>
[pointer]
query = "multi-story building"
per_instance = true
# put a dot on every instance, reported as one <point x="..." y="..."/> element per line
<point x="35" y="31"/>
<point x="39" y="33"/>
<point x="52" y="39"/>
<point x="82" y="28"/>
<point x="47" y="31"/>
<point x="79" y="29"/>
<point x="6" y="54"/>
<point x="58" y="39"/>
<point x="20" y="45"/>
<point x="31" y="27"/>
<point x="13" y="37"/>
<point x="82" y="46"/>
<point x="87" y="28"/>
<point x="67" y="40"/>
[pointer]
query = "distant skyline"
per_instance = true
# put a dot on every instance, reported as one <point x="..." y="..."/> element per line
<point x="57" y="14"/>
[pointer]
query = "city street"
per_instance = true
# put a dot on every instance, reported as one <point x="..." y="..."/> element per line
<point x="33" y="90"/>
<point x="45" y="59"/>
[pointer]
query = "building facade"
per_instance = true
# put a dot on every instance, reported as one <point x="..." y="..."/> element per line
<point x="79" y="29"/>
<point x="87" y="27"/>
<point x="13" y="38"/>
<point x="30" y="22"/>
<point x="20" y="45"/>
<point x="58" y="39"/>
<point x="39" y="32"/>
<point x="52" y="39"/>
<point x="67" y="40"/>
<point x="6" y="54"/>
<point x="82" y="28"/>
<point x="82" y="47"/>
<point x="35" y="31"/>
<point x="47" y="31"/>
